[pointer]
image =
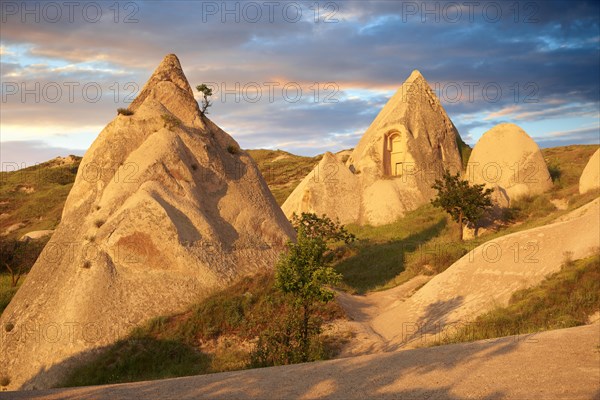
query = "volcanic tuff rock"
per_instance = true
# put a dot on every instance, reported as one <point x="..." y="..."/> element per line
<point x="164" y="208"/>
<point x="329" y="189"/>
<point x="488" y="275"/>
<point x="392" y="168"/>
<point x="590" y="177"/>
<point x="508" y="158"/>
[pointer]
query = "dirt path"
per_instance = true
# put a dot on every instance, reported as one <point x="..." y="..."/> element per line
<point x="363" y="310"/>
<point x="561" y="364"/>
<point x="483" y="279"/>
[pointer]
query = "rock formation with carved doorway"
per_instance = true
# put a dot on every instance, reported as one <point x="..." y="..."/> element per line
<point x="394" y="165"/>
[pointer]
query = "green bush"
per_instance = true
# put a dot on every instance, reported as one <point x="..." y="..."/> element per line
<point x="283" y="344"/>
<point x="124" y="111"/>
<point x="170" y="121"/>
<point x="555" y="172"/>
<point x="530" y="207"/>
<point x="232" y="149"/>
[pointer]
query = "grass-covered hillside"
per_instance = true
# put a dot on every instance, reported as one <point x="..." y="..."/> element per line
<point x="33" y="198"/>
<point x="282" y="171"/>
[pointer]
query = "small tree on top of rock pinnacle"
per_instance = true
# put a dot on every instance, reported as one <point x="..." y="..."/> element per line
<point x="206" y="93"/>
<point x="464" y="202"/>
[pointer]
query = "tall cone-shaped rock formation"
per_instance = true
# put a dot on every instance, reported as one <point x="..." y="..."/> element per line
<point x="392" y="169"/>
<point x="165" y="207"/>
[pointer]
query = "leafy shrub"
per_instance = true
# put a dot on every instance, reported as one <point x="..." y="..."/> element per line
<point x="124" y="111"/>
<point x="232" y="149"/>
<point x="170" y="121"/>
<point x="4" y="380"/>
<point x="555" y="172"/>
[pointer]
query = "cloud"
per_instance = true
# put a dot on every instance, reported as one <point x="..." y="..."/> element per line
<point x="590" y="132"/>
<point x="549" y="51"/>
<point x="503" y="112"/>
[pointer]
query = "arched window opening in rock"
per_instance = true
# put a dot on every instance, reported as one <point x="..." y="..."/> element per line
<point x="394" y="154"/>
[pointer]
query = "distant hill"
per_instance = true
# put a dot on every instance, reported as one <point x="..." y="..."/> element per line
<point x="283" y="171"/>
<point x="32" y="198"/>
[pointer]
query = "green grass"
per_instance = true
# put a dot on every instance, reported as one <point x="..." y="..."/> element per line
<point x="464" y="150"/>
<point x="564" y="299"/>
<point x="214" y="335"/>
<point x="35" y="196"/>
<point x="140" y="358"/>
<point x="6" y="290"/>
<point x="170" y="121"/>
<point x="566" y="164"/>
<point x="424" y="241"/>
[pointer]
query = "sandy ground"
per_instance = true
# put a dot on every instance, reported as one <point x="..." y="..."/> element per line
<point x="560" y="364"/>
<point x="364" y="310"/>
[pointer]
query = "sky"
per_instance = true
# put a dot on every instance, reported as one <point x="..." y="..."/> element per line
<point x="301" y="76"/>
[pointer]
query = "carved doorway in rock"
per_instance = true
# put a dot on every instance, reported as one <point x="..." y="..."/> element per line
<point x="394" y="154"/>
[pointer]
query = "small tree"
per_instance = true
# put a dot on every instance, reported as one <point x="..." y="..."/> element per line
<point x="303" y="274"/>
<point x="206" y="93"/>
<point x="12" y="254"/>
<point x="464" y="202"/>
<point x="324" y="227"/>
